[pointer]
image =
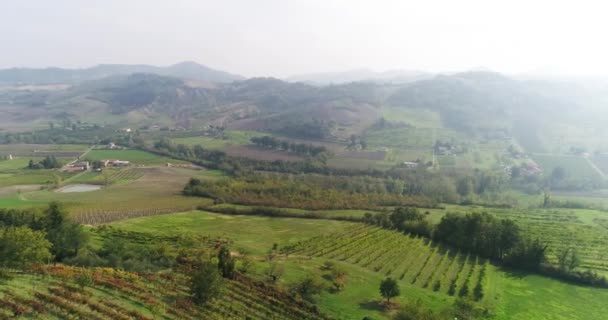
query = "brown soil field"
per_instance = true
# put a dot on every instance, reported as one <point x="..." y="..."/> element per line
<point x="365" y="155"/>
<point x="261" y="154"/>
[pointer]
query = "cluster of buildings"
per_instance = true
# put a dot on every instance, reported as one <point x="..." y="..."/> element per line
<point x="78" y="166"/>
<point x="527" y="169"/>
<point x="112" y="146"/>
<point x="531" y="168"/>
<point x="409" y="164"/>
<point x="115" y="163"/>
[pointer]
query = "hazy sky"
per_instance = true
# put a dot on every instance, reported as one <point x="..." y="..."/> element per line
<point x="285" y="37"/>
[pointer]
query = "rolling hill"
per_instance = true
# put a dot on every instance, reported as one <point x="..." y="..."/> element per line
<point x="187" y="69"/>
<point x="472" y="104"/>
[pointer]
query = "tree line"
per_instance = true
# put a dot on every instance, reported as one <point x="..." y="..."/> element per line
<point x="500" y="240"/>
<point x="31" y="236"/>
<point x="477" y="233"/>
<point x="446" y="186"/>
<point x="49" y="162"/>
<point x="293" y="192"/>
<point x="441" y="186"/>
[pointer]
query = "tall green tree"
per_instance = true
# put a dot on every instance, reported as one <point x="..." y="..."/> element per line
<point x="21" y="247"/>
<point x="416" y="311"/>
<point x="226" y="263"/>
<point x="205" y="283"/>
<point x="308" y="288"/>
<point x="568" y="259"/>
<point x="389" y="289"/>
<point x="66" y="236"/>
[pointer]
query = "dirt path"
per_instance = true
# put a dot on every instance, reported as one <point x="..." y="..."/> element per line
<point x="79" y="157"/>
<point x="65" y="167"/>
<point x="601" y="173"/>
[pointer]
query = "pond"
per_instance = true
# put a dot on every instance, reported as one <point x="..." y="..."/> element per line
<point x="79" y="188"/>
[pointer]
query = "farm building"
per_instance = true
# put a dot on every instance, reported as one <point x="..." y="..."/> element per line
<point x="531" y="168"/>
<point x="409" y="164"/>
<point x="78" y="166"/>
<point x="115" y="163"/>
<point x="113" y="146"/>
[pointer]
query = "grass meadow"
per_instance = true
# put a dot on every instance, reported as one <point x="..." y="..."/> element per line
<point x="507" y="294"/>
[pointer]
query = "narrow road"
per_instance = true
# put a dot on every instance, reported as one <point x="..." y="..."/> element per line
<point x="595" y="167"/>
<point x="77" y="159"/>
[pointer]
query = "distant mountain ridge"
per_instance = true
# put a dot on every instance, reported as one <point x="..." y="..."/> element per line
<point x="359" y="75"/>
<point x="474" y="103"/>
<point x="185" y="70"/>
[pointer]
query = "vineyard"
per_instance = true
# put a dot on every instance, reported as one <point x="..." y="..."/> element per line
<point x="109" y="176"/>
<point x="561" y="229"/>
<point x="108" y="212"/>
<point x="415" y="260"/>
<point x="584" y="230"/>
<point x="52" y="293"/>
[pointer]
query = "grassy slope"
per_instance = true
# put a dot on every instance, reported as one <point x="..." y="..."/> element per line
<point x="420" y="118"/>
<point x="116" y="294"/>
<point x="255" y="234"/>
<point x="517" y="297"/>
<point x="538" y="298"/>
<point x="575" y="166"/>
<point x="233" y="137"/>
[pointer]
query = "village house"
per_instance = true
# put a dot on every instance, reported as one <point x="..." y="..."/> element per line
<point x="531" y="168"/>
<point x="78" y="166"/>
<point x="115" y="163"/>
<point x="409" y="164"/>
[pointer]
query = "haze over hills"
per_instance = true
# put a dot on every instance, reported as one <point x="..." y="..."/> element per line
<point x="475" y="102"/>
<point x="187" y="70"/>
<point x="356" y="75"/>
<point x="303" y="160"/>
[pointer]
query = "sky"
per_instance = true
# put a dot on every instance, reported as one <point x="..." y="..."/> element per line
<point x="287" y="37"/>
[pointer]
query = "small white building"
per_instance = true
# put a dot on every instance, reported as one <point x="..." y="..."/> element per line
<point x="115" y="163"/>
<point x="409" y="164"/>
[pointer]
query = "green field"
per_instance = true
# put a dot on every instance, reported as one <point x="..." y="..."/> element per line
<point x="419" y="118"/>
<point x="233" y="138"/>
<point x="16" y="201"/>
<point x="413" y="260"/>
<point x="250" y="228"/>
<point x="14" y="164"/>
<point x="135" y="156"/>
<point x="538" y="298"/>
<point x="369" y="254"/>
<point x="355" y="302"/>
<point x="402" y="138"/>
<point x="575" y="166"/>
<point x="42" y="147"/>
<point x="133" y="191"/>
<point x="25" y="177"/>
